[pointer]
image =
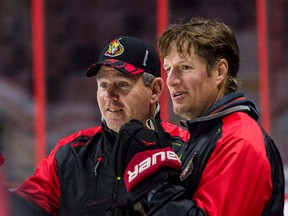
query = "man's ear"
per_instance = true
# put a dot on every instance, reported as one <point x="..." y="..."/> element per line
<point x="222" y="69"/>
<point x="156" y="87"/>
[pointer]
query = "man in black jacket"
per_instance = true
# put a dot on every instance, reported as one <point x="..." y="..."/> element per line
<point x="77" y="178"/>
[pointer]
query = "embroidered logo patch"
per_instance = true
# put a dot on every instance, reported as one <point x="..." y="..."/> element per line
<point x="188" y="169"/>
<point x="115" y="48"/>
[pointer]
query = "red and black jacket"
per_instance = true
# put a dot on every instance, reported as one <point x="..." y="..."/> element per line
<point x="230" y="166"/>
<point x="76" y="178"/>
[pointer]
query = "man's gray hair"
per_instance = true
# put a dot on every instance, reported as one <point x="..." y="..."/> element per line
<point x="148" y="78"/>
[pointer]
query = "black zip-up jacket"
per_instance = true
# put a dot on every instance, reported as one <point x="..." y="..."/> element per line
<point x="77" y="179"/>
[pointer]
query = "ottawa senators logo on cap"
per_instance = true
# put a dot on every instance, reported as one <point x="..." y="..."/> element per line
<point x="115" y="48"/>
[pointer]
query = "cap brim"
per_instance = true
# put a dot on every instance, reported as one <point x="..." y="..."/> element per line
<point x="119" y="65"/>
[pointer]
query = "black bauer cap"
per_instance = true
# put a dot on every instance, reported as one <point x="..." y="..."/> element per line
<point x="130" y="56"/>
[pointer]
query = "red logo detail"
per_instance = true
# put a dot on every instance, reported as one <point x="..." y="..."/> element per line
<point x="148" y="143"/>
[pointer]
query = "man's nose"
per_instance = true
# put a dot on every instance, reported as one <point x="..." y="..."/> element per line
<point x="111" y="94"/>
<point x="173" y="78"/>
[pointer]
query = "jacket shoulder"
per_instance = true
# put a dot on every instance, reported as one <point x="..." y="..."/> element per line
<point x="175" y="130"/>
<point x="88" y="133"/>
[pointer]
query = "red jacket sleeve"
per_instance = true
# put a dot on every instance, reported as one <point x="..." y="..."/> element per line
<point x="43" y="187"/>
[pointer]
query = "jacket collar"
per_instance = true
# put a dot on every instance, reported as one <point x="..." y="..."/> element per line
<point x="233" y="102"/>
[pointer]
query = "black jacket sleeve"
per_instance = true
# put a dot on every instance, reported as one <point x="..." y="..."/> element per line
<point x="171" y="200"/>
<point x="21" y="207"/>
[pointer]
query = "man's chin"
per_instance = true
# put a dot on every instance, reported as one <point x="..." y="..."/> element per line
<point x="115" y="125"/>
<point x="177" y="110"/>
<point x="182" y="112"/>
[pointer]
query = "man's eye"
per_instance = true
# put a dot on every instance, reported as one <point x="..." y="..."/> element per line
<point x="123" y="84"/>
<point x="103" y="85"/>
<point x="185" y="67"/>
<point x="167" y="70"/>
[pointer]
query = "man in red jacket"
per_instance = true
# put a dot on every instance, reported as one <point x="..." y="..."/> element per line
<point x="230" y="165"/>
<point x="77" y="178"/>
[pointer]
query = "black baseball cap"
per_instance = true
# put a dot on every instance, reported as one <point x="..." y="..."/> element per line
<point x="130" y="56"/>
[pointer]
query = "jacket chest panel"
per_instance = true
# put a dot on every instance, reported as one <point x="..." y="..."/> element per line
<point x="195" y="157"/>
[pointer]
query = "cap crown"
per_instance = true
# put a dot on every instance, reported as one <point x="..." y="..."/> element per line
<point x="129" y="55"/>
